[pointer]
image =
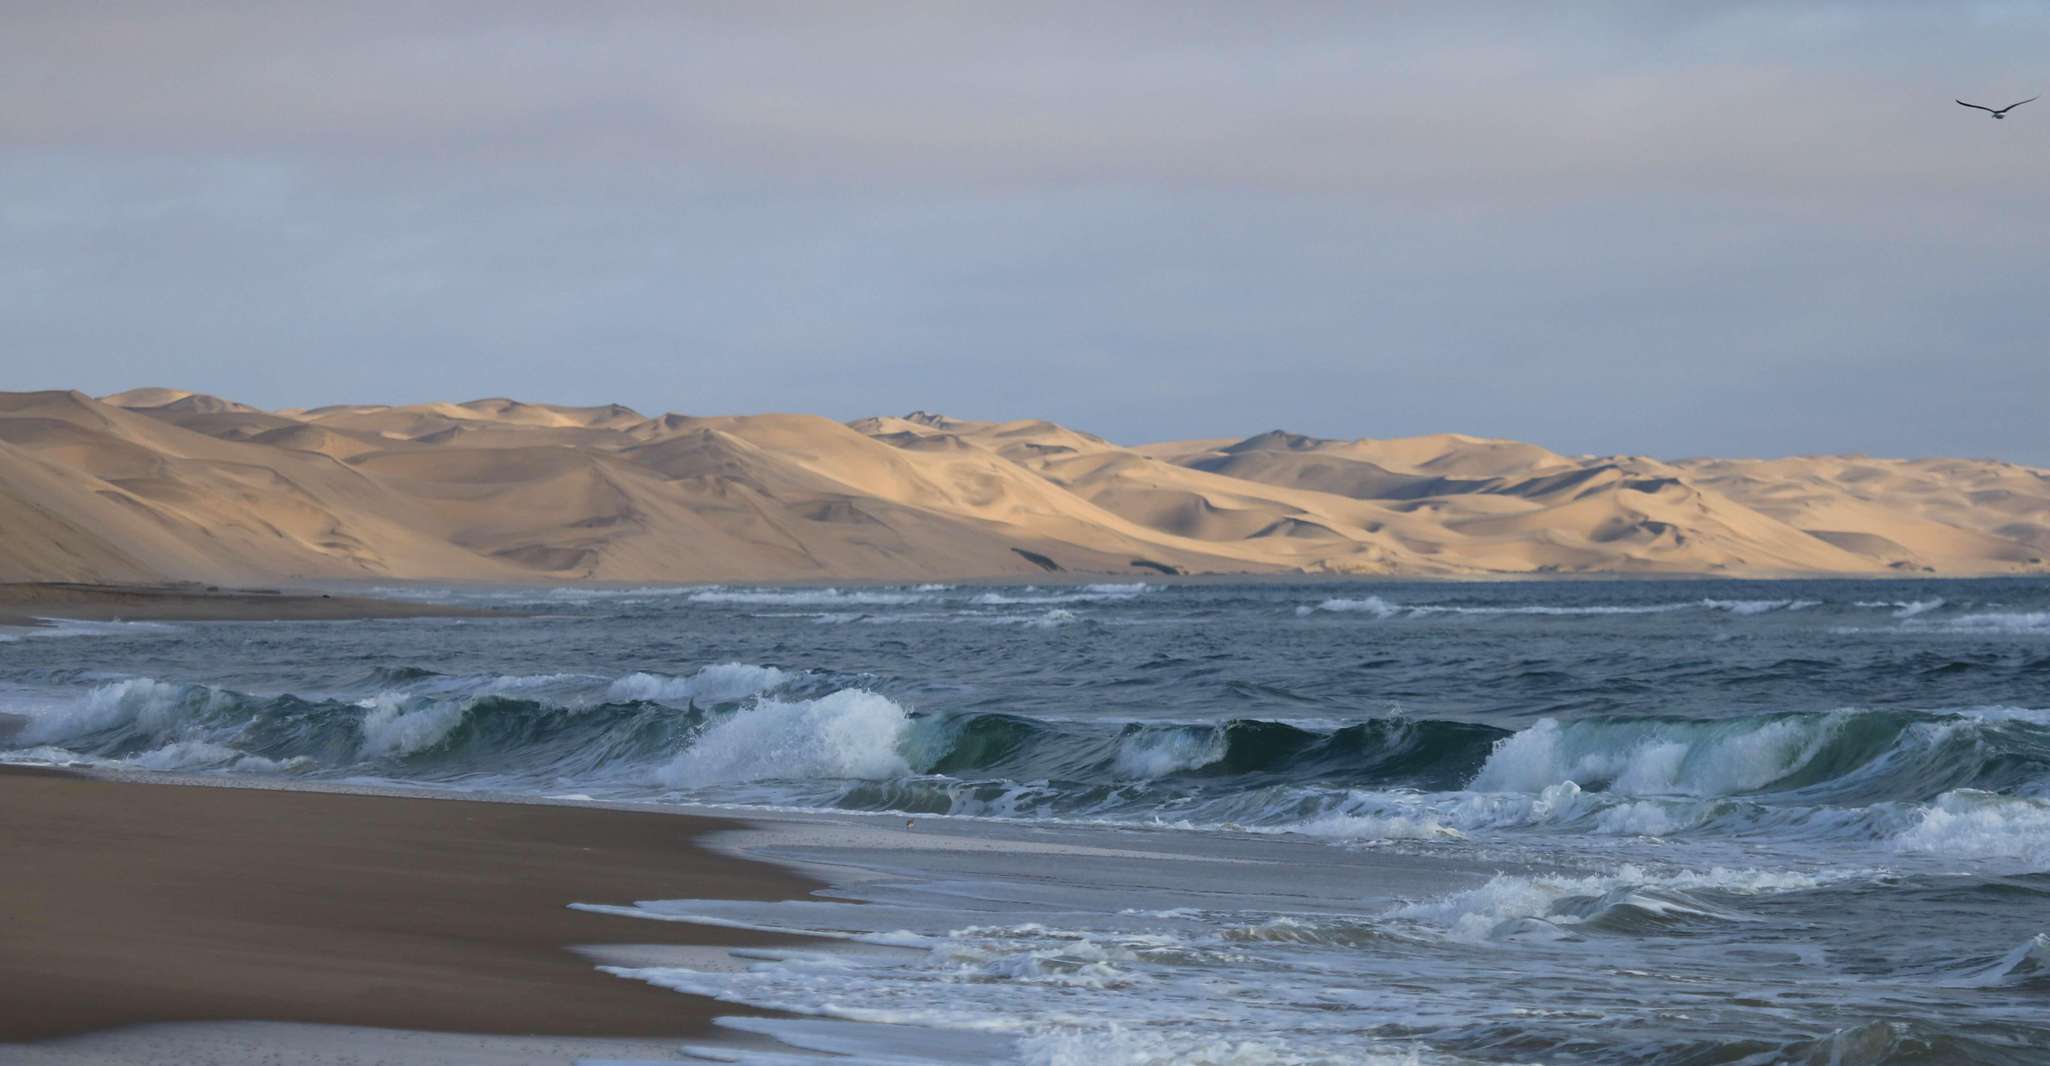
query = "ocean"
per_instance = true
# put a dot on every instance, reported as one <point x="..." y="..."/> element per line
<point x="1577" y="822"/>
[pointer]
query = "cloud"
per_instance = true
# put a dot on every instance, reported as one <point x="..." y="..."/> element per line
<point x="1737" y="228"/>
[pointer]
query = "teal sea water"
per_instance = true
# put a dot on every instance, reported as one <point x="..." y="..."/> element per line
<point x="1616" y="821"/>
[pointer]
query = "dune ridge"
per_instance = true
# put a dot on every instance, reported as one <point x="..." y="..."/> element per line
<point x="158" y="484"/>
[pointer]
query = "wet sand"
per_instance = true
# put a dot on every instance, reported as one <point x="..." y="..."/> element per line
<point x="127" y="903"/>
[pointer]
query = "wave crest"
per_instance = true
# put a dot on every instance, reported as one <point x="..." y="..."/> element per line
<point x="852" y="733"/>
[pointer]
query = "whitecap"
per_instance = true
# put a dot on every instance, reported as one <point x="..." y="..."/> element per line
<point x="1151" y="753"/>
<point x="1494" y="910"/>
<point x="852" y="733"/>
<point x="1981" y="827"/>
<point x="152" y="705"/>
<point x="398" y="726"/>
<point x="817" y="596"/>
<point x="718" y="683"/>
<point x="1373" y="605"/>
<point x="1654" y="758"/>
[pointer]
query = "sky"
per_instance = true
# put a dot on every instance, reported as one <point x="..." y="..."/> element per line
<point x="1668" y="229"/>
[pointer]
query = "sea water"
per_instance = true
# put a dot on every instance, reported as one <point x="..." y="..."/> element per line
<point x="1599" y="821"/>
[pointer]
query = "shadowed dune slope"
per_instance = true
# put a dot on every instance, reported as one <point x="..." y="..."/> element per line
<point x="159" y="483"/>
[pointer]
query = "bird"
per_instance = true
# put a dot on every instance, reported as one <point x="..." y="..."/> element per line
<point x="2002" y="113"/>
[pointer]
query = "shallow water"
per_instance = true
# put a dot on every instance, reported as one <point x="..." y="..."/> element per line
<point x="1620" y="821"/>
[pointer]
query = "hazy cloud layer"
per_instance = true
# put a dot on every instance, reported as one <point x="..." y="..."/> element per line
<point x="1740" y="228"/>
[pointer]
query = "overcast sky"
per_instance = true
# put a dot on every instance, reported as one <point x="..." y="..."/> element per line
<point x="1676" y="229"/>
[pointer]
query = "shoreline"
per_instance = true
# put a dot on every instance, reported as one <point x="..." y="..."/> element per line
<point x="1078" y="578"/>
<point x="35" y="605"/>
<point x="196" y="903"/>
<point x="27" y="604"/>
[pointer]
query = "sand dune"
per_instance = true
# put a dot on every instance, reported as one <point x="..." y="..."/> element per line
<point x="164" y="484"/>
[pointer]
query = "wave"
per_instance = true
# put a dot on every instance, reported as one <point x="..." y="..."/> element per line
<point x="2025" y="966"/>
<point x="809" y="597"/>
<point x="1655" y="757"/>
<point x="78" y="627"/>
<point x="901" y="596"/>
<point x="852" y="733"/>
<point x="718" y="683"/>
<point x="415" y="723"/>
<point x="556" y="595"/>
<point x="724" y="724"/>
<point x="1032" y="595"/>
<point x="1051" y="618"/>
<point x="1373" y="605"/>
<point x="396" y="726"/>
<point x="1903" y="608"/>
<point x="1633" y="900"/>
<point x="715" y="683"/>
<point x="2024" y="622"/>
<point x="1382" y="608"/>
<point x="1857" y="774"/>
<point x="1838" y="756"/>
<point x="1970" y="786"/>
<point x="1982" y="827"/>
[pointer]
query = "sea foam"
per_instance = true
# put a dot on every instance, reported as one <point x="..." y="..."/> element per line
<point x="718" y="683"/>
<point x="1982" y="827"/>
<point x="399" y="726"/>
<point x="822" y="596"/>
<point x="1652" y="757"/>
<point x="146" y="703"/>
<point x="852" y="733"/>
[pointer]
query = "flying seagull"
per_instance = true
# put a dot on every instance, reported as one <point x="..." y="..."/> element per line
<point x="2002" y="113"/>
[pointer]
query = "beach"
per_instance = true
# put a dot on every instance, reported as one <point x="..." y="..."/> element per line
<point x="135" y="903"/>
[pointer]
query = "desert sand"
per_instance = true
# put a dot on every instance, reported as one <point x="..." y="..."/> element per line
<point x="135" y="903"/>
<point x="158" y="484"/>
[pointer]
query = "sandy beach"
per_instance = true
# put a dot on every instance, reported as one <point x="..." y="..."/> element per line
<point x="131" y="904"/>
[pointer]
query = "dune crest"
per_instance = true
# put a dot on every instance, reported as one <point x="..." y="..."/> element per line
<point x="164" y="484"/>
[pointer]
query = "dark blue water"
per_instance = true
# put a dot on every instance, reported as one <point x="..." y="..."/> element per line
<point x="1713" y="822"/>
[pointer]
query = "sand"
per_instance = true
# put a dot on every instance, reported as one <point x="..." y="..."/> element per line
<point x="132" y="904"/>
<point x="161" y="484"/>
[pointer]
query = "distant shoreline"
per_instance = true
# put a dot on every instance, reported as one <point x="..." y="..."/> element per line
<point x="32" y="605"/>
<point x="29" y="604"/>
<point x="375" y="590"/>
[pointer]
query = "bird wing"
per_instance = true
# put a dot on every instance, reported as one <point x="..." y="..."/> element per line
<point x="1981" y="107"/>
<point x="2012" y="106"/>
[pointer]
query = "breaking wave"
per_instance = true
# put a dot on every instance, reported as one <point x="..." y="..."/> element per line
<point x="1632" y="900"/>
<point x="1969" y="786"/>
